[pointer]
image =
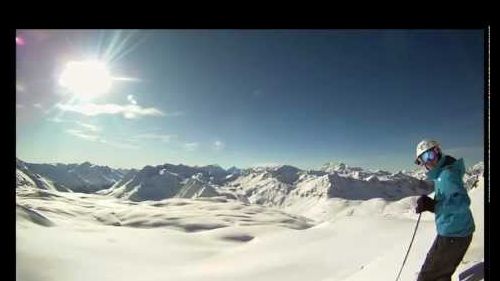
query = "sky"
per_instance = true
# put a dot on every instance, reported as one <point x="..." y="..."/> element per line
<point x="130" y="98"/>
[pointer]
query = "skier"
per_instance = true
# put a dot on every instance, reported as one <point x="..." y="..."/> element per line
<point x="454" y="221"/>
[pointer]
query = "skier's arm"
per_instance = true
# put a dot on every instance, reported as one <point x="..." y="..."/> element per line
<point x="455" y="196"/>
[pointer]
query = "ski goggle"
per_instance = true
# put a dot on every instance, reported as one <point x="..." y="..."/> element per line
<point x="426" y="157"/>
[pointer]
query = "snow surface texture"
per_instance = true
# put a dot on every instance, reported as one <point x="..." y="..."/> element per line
<point x="174" y="222"/>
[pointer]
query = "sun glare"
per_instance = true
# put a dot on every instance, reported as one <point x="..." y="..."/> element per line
<point x="86" y="79"/>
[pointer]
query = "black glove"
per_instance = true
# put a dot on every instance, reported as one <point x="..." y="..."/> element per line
<point x="425" y="203"/>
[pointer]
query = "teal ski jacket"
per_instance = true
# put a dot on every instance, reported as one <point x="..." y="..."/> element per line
<point x="453" y="215"/>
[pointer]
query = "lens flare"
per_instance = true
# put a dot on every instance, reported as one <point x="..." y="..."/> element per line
<point x="20" y="41"/>
<point x="86" y="79"/>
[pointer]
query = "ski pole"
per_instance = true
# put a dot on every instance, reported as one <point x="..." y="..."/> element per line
<point x="407" y="252"/>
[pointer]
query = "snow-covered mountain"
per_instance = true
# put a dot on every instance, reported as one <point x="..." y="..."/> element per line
<point x="281" y="186"/>
<point x="167" y="181"/>
<point x="340" y="168"/>
<point x="83" y="177"/>
<point x="234" y="171"/>
<point x="298" y="190"/>
<point x="419" y="173"/>
<point x="473" y="175"/>
<point x="196" y="187"/>
<point x="27" y="178"/>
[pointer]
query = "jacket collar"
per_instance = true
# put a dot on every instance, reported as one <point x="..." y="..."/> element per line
<point x="434" y="173"/>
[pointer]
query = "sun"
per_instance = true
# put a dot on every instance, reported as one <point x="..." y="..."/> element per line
<point x="86" y="79"/>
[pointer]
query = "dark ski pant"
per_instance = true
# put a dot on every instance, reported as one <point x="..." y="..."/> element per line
<point x="443" y="258"/>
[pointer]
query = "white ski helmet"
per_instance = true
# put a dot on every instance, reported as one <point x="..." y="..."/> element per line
<point x="425" y="145"/>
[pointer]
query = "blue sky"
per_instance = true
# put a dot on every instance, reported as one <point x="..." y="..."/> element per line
<point x="252" y="97"/>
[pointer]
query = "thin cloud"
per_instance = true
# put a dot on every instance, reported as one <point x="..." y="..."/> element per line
<point x="191" y="146"/>
<point x="19" y="106"/>
<point x="89" y="127"/>
<point x="120" y="145"/>
<point x="37" y="105"/>
<point x="131" y="99"/>
<point x="160" y="137"/>
<point x="219" y="145"/>
<point x="83" y="125"/>
<point x="95" y="138"/>
<point x="130" y="111"/>
<point x="57" y="120"/>
<point x="83" y="135"/>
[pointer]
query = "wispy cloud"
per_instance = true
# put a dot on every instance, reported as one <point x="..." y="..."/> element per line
<point x="219" y="145"/>
<point x="120" y="144"/>
<point x="19" y="106"/>
<point x="191" y="146"/>
<point x="40" y="107"/>
<point x="160" y="137"/>
<point x="57" y="120"/>
<point x="131" y="99"/>
<point x="82" y="125"/>
<point x="89" y="127"/>
<point x="96" y="138"/>
<point x="129" y="111"/>
<point x="83" y="135"/>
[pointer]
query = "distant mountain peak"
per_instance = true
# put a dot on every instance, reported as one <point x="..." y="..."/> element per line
<point x="83" y="177"/>
<point x="234" y="170"/>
